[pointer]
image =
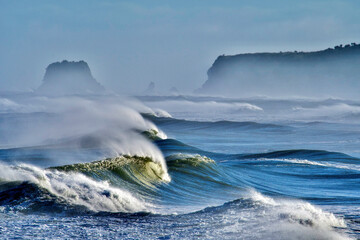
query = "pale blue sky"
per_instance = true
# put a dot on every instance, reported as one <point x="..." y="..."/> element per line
<point x="172" y="43"/>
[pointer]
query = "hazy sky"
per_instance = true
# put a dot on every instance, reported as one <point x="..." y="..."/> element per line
<point x="172" y="43"/>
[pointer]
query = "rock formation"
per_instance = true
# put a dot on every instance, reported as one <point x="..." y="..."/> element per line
<point x="334" y="72"/>
<point x="66" y="78"/>
<point x="150" y="90"/>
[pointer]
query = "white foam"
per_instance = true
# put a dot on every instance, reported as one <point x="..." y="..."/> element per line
<point x="272" y="218"/>
<point x="162" y="113"/>
<point x="184" y="156"/>
<point x="308" y="162"/>
<point x="205" y="110"/>
<point x="77" y="189"/>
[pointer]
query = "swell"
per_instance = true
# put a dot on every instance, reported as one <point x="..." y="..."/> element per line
<point x="171" y="146"/>
<point x="216" y="125"/>
<point x="319" y="155"/>
<point x="198" y="179"/>
<point x="320" y="176"/>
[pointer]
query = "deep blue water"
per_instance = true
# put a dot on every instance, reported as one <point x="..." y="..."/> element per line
<point x="249" y="177"/>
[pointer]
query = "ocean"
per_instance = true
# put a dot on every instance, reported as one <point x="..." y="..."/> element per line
<point x="178" y="167"/>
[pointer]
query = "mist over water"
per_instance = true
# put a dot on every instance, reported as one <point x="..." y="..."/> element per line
<point x="110" y="123"/>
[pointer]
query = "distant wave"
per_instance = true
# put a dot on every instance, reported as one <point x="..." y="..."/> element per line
<point x="308" y="162"/>
<point x="213" y="125"/>
<point x="258" y="109"/>
<point x="211" y="104"/>
<point x="8" y="105"/>
<point x="336" y="111"/>
<point x="196" y="109"/>
<point x="302" y="154"/>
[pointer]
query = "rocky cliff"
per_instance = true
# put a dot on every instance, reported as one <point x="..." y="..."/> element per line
<point x="334" y="72"/>
<point x="65" y="78"/>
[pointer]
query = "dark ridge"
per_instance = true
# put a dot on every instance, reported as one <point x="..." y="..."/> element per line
<point x="318" y="155"/>
<point x="220" y="125"/>
<point x="333" y="72"/>
<point x="66" y="78"/>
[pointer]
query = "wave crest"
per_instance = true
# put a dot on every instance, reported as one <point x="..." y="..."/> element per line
<point x="136" y="168"/>
<point x="71" y="188"/>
